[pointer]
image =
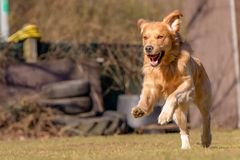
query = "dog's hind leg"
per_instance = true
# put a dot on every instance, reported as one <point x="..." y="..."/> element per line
<point x="206" y="137"/>
<point x="180" y="117"/>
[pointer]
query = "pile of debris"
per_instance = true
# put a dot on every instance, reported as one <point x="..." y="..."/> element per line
<point x="27" y="119"/>
<point x="59" y="97"/>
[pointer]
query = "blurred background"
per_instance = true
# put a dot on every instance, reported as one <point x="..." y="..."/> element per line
<point x="74" y="67"/>
<point x="87" y="21"/>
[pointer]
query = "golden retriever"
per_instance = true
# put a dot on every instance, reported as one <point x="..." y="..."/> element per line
<point x="173" y="75"/>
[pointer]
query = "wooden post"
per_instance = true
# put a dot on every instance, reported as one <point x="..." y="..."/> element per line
<point x="30" y="50"/>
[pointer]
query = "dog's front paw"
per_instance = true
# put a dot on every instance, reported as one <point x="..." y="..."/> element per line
<point x="165" y="117"/>
<point x="137" y="112"/>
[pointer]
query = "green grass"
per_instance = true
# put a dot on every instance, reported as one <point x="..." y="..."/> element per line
<point x="225" y="146"/>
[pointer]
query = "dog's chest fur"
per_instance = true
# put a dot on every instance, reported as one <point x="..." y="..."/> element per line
<point x="165" y="78"/>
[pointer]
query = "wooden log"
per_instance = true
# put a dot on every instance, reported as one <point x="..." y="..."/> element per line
<point x="30" y="50"/>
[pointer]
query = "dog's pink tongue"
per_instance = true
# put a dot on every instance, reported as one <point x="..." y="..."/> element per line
<point x="154" y="60"/>
<point x="154" y="63"/>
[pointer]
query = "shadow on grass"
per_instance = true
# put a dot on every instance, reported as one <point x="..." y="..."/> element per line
<point x="225" y="147"/>
<point x="216" y="147"/>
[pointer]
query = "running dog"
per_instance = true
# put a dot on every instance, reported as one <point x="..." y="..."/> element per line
<point x="173" y="75"/>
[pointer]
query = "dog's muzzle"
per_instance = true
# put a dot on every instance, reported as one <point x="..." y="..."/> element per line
<point x="156" y="58"/>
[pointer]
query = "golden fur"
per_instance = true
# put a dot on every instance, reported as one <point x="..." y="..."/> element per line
<point x="173" y="75"/>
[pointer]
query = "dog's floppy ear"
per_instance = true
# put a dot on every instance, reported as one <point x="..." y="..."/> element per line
<point x="141" y="23"/>
<point x="173" y="20"/>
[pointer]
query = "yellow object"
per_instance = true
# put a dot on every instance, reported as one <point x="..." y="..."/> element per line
<point x="29" y="31"/>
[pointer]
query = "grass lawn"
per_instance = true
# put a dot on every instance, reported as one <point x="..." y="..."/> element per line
<point x="225" y="146"/>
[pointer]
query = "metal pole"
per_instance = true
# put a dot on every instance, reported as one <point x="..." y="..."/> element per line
<point x="4" y="19"/>
<point x="235" y="53"/>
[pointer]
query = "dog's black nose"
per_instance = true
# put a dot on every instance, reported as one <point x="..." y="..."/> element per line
<point x="149" y="48"/>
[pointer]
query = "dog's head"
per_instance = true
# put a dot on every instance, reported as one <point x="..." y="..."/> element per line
<point x="160" y="38"/>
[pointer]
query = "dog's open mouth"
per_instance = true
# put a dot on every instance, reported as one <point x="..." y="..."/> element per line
<point x="156" y="58"/>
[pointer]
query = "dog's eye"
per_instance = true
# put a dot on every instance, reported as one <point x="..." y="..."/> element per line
<point x="145" y="37"/>
<point x="159" y="37"/>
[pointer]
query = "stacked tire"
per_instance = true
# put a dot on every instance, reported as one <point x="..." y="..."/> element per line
<point x="73" y="97"/>
<point x="70" y="97"/>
